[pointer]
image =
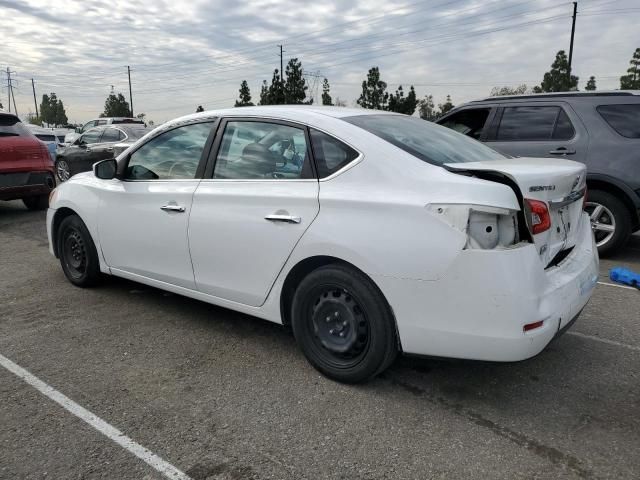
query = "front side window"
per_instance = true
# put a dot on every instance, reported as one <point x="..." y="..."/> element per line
<point x="425" y="140"/>
<point x="261" y="150"/>
<point x="92" y="136"/>
<point x="469" y="122"/>
<point x="330" y="154"/>
<point x="172" y="155"/>
<point x="624" y="119"/>
<point x="534" y="123"/>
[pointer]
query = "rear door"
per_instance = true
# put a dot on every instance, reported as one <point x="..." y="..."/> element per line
<point x="542" y="129"/>
<point x="104" y="148"/>
<point x="258" y="197"/>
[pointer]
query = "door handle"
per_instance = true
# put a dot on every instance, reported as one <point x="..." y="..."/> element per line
<point x="562" y="151"/>
<point x="172" y="208"/>
<point x="109" y="149"/>
<point x="87" y="149"/>
<point x="283" y="218"/>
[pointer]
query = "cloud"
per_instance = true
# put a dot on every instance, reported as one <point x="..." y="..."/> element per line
<point x="183" y="54"/>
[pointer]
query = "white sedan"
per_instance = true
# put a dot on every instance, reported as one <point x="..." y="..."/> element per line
<point x="369" y="233"/>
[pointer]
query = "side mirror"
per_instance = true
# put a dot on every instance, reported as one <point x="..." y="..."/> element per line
<point x="106" y="169"/>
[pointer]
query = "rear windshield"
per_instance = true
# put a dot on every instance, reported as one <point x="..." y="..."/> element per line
<point x="624" y="119"/>
<point x="46" y="138"/>
<point x="427" y="141"/>
<point x="11" y="126"/>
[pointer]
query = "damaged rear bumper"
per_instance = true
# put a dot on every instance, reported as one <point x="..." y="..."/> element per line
<point x="479" y="306"/>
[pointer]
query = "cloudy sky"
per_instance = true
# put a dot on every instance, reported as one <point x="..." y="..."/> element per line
<point x="188" y="53"/>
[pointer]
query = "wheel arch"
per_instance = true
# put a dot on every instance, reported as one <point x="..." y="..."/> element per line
<point x="60" y="215"/>
<point x="308" y="265"/>
<point x="621" y="191"/>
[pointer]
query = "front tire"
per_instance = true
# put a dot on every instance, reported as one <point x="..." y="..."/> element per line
<point x="610" y="221"/>
<point x="39" y="202"/>
<point x="343" y="324"/>
<point x="63" y="169"/>
<point x="77" y="252"/>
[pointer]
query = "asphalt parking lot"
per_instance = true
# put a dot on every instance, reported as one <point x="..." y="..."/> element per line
<point x="220" y="395"/>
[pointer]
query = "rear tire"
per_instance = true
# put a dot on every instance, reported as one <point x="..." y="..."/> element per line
<point x="77" y="252"/>
<point x="608" y="212"/>
<point x="343" y="324"/>
<point x="39" y="202"/>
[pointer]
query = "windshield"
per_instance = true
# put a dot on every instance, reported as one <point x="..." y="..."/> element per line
<point x="427" y="141"/>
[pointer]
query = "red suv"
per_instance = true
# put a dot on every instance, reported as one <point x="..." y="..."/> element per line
<point x="26" y="169"/>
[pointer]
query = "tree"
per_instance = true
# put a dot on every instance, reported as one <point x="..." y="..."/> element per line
<point x="591" y="84"/>
<point x="264" y="93"/>
<point x="52" y="110"/>
<point x="116" y="106"/>
<point x="374" y="91"/>
<point x="427" y="109"/>
<point x="295" y="88"/>
<point x="276" y="90"/>
<point x="631" y="81"/>
<point x="326" y="96"/>
<point x="245" y="96"/>
<point x="505" y="91"/>
<point x="401" y="104"/>
<point x="557" y="79"/>
<point x="199" y="109"/>
<point x="445" y="107"/>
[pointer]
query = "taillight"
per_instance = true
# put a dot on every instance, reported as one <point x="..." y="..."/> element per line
<point x="540" y="218"/>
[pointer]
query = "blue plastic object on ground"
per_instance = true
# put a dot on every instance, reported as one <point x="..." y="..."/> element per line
<point x="625" y="276"/>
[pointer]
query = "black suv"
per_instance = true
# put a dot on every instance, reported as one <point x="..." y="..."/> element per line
<point x="599" y="129"/>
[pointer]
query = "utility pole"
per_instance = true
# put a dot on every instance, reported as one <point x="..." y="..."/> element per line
<point x="130" y="96"/>
<point x="281" y="66"/>
<point x="9" y="87"/>
<point x="35" y="102"/>
<point x="573" y="32"/>
<point x="15" y="107"/>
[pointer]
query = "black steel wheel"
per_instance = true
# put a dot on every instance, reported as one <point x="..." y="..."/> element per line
<point x="77" y="252"/>
<point x="343" y="324"/>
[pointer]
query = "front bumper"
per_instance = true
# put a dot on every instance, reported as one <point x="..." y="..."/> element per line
<point x="478" y="307"/>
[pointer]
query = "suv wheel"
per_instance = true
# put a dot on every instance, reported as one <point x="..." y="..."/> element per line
<point x="39" y="202"/>
<point x="610" y="221"/>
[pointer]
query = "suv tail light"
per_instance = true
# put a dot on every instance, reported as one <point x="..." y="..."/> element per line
<point x="540" y="218"/>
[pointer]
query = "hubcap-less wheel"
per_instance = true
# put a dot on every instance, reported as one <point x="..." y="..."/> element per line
<point x="75" y="253"/>
<point x="62" y="170"/>
<point x="603" y="222"/>
<point x="341" y="329"/>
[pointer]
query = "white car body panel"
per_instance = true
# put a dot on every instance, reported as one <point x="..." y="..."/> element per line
<point x="375" y="214"/>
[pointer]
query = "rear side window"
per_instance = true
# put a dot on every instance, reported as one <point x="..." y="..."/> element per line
<point x="624" y="119"/>
<point x="330" y="154"/>
<point x="534" y="123"/>
<point x="11" y="126"/>
<point x="110" y="135"/>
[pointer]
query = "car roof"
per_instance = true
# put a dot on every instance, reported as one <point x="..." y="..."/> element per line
<point x="9" y="114"/>
<point x="284" y="112"/>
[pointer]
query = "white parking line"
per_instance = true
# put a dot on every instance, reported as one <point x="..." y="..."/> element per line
<point x="618" y="286"/>
<point x="100" y="425"/>
<point x="605" y="340"/>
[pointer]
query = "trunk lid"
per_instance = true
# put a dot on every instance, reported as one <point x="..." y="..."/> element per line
<point x="19" y="154"/>
<point x="560" y="184"/>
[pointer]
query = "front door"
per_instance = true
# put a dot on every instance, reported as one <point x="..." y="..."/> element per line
<point x="143" y="217"/>
<point x="249" y="214"/>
